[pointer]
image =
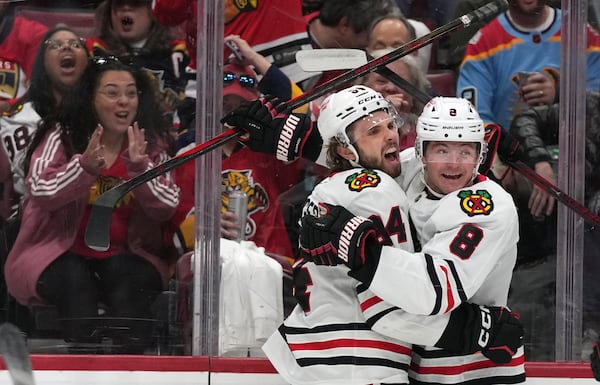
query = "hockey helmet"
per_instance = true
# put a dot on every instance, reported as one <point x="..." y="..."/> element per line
<point x="446" y="119"/>
<point x="339" y="110"/>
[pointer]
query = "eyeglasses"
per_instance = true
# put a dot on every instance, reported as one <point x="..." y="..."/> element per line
<point x="58" y="44"/>
<point x="115" y="94"/>
<point x="246" y="81"/>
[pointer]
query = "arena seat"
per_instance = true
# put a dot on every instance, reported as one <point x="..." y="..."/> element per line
<point x="81" y="21"/>
<point x="443" y="82"/>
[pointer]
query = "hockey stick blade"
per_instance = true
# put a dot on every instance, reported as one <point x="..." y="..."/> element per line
<point x="97" y="232"/>
<point x="15" y="355"/>
<point x="330" y="59"/>
<point x="483" y="13"/>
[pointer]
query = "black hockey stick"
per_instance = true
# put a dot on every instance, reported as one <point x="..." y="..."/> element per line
<point x="97" y="234"/>
<point x="15" y="354"/>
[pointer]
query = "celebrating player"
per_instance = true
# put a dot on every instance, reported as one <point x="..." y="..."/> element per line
<point x="468" y="227"/>
<point x="326" y="336"/>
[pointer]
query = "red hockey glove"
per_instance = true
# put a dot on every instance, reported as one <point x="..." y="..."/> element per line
<point x="271" y="130"/>
<point x="338" y="237"/>
<point x="493" y="330"/>
<point x="595" y="361"/>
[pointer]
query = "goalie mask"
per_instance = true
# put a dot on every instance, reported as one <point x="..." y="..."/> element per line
<point x="447" y="119"/>
<point x="341" y="109"/>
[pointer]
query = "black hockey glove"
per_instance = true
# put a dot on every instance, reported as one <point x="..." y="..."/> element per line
<point x="499" y="142"/>
<point x="493" y="330"/>
<point x="273" y="131"/>
<point x="338" y="237"/>
<point x="595" y="361"/>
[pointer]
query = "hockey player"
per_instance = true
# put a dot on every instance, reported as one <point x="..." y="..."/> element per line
<point x="468" y="226"/>
<point x="326" y="338"/>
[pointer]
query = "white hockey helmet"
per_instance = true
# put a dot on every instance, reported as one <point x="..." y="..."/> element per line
<point x="446" y="119"/>
<point x="339" y="110"/>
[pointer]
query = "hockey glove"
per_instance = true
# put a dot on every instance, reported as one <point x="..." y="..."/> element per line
<point x="595" y="361"/>
<point x="338" y="237"/>
<point x="271" y="130"/>
<point x="499" y="142"/>
<point x="493" y="330"/>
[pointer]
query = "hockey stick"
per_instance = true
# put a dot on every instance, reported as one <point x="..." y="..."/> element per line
<point x="336" y="59"/>
<point x="330" y="59"/>
<point x="15" y="355"/>
<point x="97" y="232"/>
<point x="97" y="235"/>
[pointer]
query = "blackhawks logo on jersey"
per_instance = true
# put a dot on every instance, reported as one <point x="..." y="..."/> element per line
<point x="476" y="203"/>
<point x="362" y="179"/>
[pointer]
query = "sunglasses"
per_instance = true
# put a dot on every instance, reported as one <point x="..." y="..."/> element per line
<point x="246" y="81"/>
<point x="103" y="60"/>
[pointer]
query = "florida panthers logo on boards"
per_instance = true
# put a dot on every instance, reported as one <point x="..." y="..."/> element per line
<point x="362" y="179"/>
<point x="476" y="203"/>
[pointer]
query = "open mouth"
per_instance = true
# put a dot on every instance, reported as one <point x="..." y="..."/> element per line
<point x="391" y="154"/>
<point x="67" y="62"/>
<point x="126" y="20"/>
<point x="452" y="176"/>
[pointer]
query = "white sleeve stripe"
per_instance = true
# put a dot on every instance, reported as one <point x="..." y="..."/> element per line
<point x="41" y="187"/>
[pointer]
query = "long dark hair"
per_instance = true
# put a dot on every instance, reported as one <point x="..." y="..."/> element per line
<point x="77" y="118"/>
<point x="40" y="88"/>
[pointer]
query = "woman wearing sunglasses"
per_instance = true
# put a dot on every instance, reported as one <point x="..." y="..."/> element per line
<point x="109" y="129"/>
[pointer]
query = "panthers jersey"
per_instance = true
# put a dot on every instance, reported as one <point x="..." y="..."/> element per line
<point x="326" y="338"/>
<point x="496" y="54"/>
<point x="16" y="131"/>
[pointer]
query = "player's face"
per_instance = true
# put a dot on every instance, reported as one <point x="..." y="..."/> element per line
<point x="388" y="33"/>
<point x="65" y="60"/>
<point x="449" y="165"/>
<point x="377" y="142"/>
<point x="131" y="22"/>
<point x="116" y="101"/>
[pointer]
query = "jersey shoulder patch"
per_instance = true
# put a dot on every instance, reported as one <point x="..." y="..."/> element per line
<point x="362" y="179"/>
<point x="478" y="202"/>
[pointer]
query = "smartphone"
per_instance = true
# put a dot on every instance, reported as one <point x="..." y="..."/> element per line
<point x="234" y="48"/>
<point x="524" y="77"/>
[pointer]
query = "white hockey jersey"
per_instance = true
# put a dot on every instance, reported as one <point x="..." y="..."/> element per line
<point x="469" y="250"/>
<point x="325" y="340"/>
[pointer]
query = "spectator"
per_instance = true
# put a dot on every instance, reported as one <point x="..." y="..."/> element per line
<point x="408" y="107"/>
<point x="489" y="74"/>
<point x="19" y="41"/>
<point x="537" y="131"/>
<point x="108" y="129"/>
<point x="393" y="31"/>
<point x="262" y="177"/>
<point x="58" y="65"/>
<point x="278" y="43"/>
<point x="344" y="24"/>
<point x="438" y="11"/>
<point x="128" y="29"/>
